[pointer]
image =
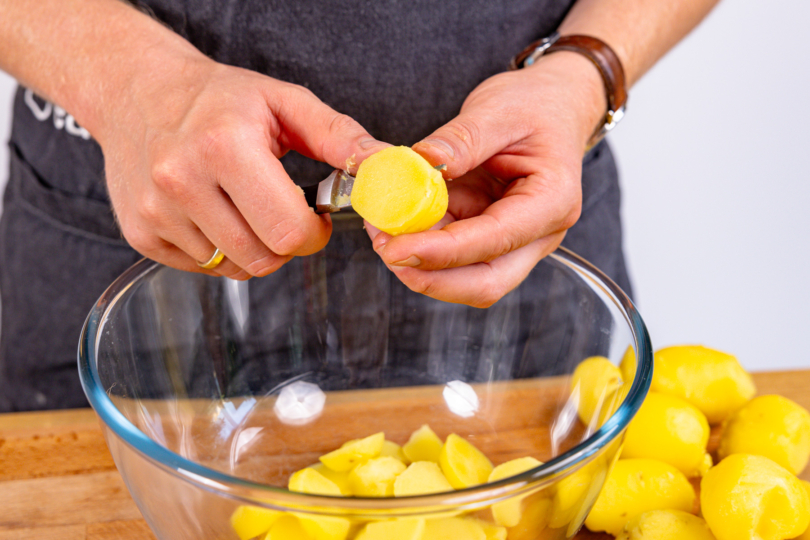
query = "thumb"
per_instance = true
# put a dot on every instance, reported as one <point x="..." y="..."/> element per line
<point x="312" y="128"/>
<point x="467" y="141"/>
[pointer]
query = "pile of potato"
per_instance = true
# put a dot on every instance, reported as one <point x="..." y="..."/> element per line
<point x="751" y="494"/>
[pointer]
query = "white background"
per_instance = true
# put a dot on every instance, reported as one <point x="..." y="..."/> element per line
<point x="716" y="185"/>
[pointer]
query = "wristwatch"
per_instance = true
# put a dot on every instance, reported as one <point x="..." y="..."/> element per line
<point x="605" y="60"/>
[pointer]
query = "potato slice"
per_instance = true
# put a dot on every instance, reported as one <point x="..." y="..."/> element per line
<point x="508" y="513"/>
<point x="424" y="445"/>
<point x="325" y="527"/>
<point x="311" y="481"/>
<point x="594" y="381"/>
<point x="463" y="464"/>
<point x="421" y="478"/>
<point x="251" y="521"/>
<point x="375" y="477"/>
<point x="453" y="528"/>
<point x="398" y="191"/>
<point x="395" y="529"/>
<point x="354" y="452"/>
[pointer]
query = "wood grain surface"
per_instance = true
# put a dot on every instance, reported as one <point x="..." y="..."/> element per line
<point x="58" y="481"/>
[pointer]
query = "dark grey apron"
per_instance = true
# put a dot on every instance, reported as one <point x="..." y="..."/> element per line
<point x="401" y="69"/>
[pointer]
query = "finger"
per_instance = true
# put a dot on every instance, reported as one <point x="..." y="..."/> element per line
<point x="482" y="284"/>
<point x="221" y="224"/>
<point x="271" y="204"/>
<point x="532" y="208"/>
<point x="191" y="241"/>
<point x="312" y="128"/>
<point x="468" y="140"/>
<point x="169" y="254"/>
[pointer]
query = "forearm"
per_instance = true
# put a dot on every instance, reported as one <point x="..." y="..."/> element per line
<point x="91" y="56"/>
<point x="639" y="31"/>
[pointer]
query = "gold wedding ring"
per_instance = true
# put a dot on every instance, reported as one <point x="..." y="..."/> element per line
<point x="214" y="261"/>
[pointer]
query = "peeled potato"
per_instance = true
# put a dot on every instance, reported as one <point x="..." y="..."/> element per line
<point x="395" y="529"/>
<point x="325" y="527"/>
<point x="421" y="478"/>
<point x="375" y="477"/>
<point x="628" y="365"/>
<point x="594" y="381"/>
<point x="463" y="464"/>
<point x="508" y="513"/>
<point x="311" y="481"/>
<point x="399" y="192"/>
<point x="770" y="426"/>
<point x="354" y="452"/>
<point x="424" y="445"/>
<point x="287" y="528"/>
<point x="711" y="380"/>
<point x="635" y="486"/>
<point x="666" y="525"/>
<point x="806" y="534"/>
<point x="669" y="429"/>
<point x="748" y="497"/>
<point x="392" y="449"/>
<point x="341" y="479"/>
<point x="251" y="521"/>
<point x="453" y="528"/>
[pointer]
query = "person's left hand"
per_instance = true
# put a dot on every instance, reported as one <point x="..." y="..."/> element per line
<point x="515" y="155"/>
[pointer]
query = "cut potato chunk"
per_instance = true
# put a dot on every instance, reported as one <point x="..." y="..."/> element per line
<point x="395" y="529"/>
<point x="508" y="513"/>
<point x="325" y="527"/>
<point x="392" y="449"/>
<point x="287" y="528"/>
<point x="375" y="477"/>
<point x="453" y="528"/>
<point x="463" y="464"/>
<point x="354" y="452"/>
<point x="251" y="521"/>
<point x="398" y="191"/>
<point x="666" y="525"/>
<point x="424" y="445"/>
<point x="341" y="479"/>
<point x="594" y="381"/>
<point x="311" y="481"/>
<point x="421" y="478"/>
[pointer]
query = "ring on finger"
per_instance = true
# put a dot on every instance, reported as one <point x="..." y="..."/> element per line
<point x="213" y="262"/>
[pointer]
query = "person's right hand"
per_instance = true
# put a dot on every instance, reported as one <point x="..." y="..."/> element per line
<point x="192" y="165"/>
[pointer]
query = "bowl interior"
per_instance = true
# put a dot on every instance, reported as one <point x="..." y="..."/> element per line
<point x="251" y="381"/>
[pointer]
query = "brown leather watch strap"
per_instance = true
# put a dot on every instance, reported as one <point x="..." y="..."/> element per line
<point x="605" y="60"/>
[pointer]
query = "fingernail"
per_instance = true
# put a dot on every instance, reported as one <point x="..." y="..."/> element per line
<point x="411" y="261"/>
<point x="441" y="146"/>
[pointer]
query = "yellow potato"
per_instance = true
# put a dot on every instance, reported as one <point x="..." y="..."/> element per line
<point x="508" y="513"/>
<point x="463" y="464"/>
<point x="574" y="494"/>
<point x="392" y="449"/>
<point x="711" y="380"/>
<point x="535" y="518"/>
<point x="287" y="528"/>
<point x="395" y="529"/>
<point x="668" y="429"/>
<point x="375" y="477"/>
<point x="354" y="452"/>
<point x="492" y="532"/>
<point x="770" y="426"/>
<point x="453" y="528"/>
<point x="424" y="445"/>
<point x="325" y="527"/>
<point x="311" y="481"/>
<point x="806" y="534"/>
<point x="628" y="365"/>
<point x="635" y="486"/>
<point x="748" y="497"/>
<point x="594" y="381"/>
<point x="251" y="521"/>
<point x="666" y="525"/>
<point x="421" y="478"/>
<point x="398" y="191"/>
<point x="341" y="479"/>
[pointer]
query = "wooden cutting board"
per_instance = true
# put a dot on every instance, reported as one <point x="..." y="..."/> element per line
<point x="58" y="481"/>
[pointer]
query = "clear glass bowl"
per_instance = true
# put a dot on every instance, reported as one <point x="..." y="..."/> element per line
<point x="213" y="392"/>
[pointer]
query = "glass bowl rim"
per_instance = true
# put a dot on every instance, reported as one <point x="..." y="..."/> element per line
<point x="238" y="488"/>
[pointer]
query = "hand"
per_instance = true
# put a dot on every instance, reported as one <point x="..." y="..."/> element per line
<point x="193" y="165"/>
<point x="515" y="154"/>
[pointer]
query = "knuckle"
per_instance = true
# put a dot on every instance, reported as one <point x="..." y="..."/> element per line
<point x="167" y="175"/>
<point x="142" y="240"/>
<point x="265" y="265"/>
<point x="341" y="123"/>
<point x="151" y="210"/>
<point x="217" y="143"/>
<point x="287" y="237"/>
